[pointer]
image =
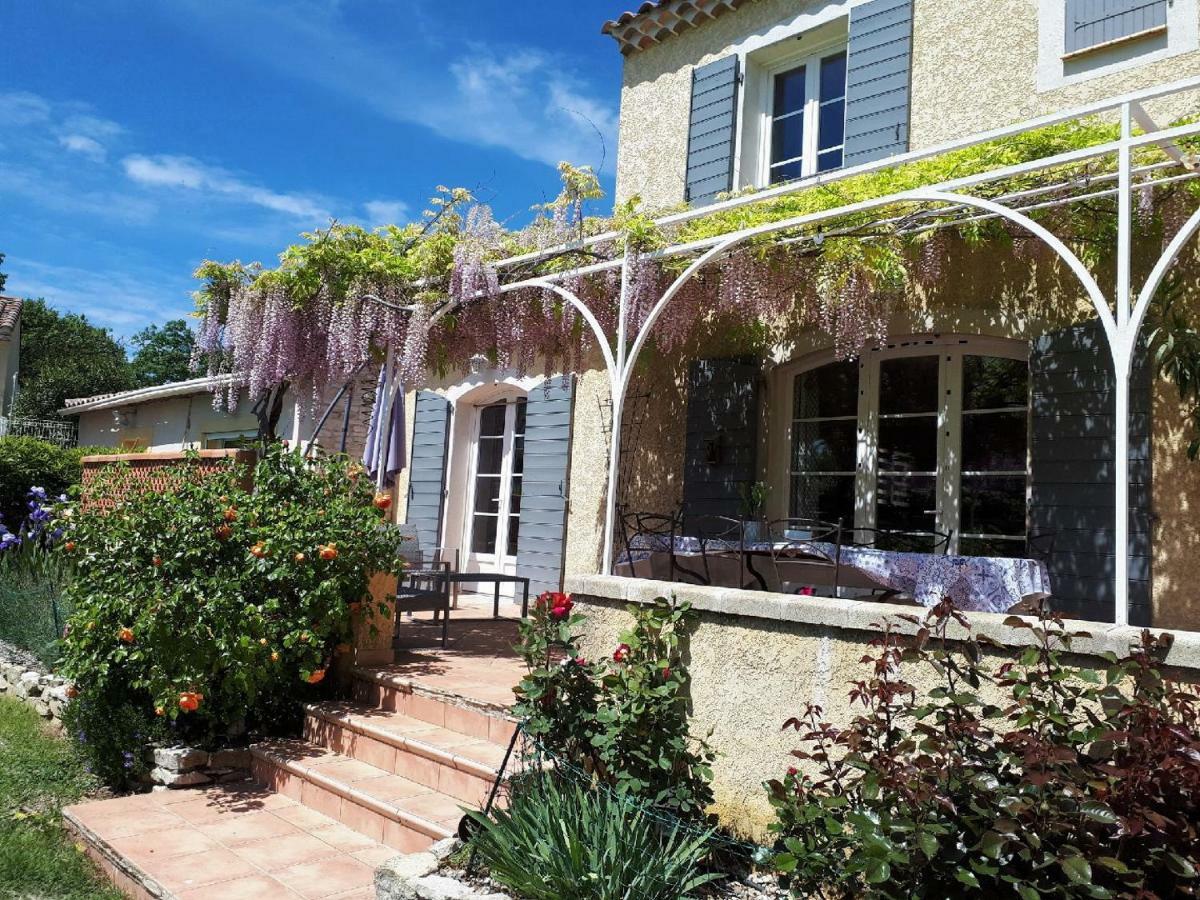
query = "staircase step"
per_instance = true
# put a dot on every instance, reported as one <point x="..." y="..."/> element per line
<point x="453" y="763"/>
<point x="392" y="693"/>
<point x="376" y="802"/>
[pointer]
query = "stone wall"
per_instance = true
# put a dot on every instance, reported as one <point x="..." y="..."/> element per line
<point x="757" y="659"/>
<point x="25" y="678"/>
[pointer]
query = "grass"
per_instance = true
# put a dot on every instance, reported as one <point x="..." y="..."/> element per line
<point x="39" y="774"/>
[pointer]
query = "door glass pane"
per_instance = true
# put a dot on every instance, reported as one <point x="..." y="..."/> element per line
<point x="826" y="446"/>
<point x="992" y="546"/>
<point x="483" y="534"/>
<point x="993" y="382"/>
<point x="487" y="495"/>
<point x="491" y="455"/>
<point x="828" y="391"/>
<point x="994" y="442"/>
<point x="993" y="505"/>
<point x="518" y="467"/>
<point x="906" y="502"/>
<point x="908" y="385"/>
<point x="829" y="498"/>
<point x="491" y="420"/>
<point x="908" y="445"/>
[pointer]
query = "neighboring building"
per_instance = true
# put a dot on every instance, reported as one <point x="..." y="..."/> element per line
<point x="182" y="416"/>
<point x="720" y="95"/>
<point x="10" y="350"/>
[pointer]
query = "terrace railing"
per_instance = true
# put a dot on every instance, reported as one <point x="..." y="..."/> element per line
<point x="64" y="434"/>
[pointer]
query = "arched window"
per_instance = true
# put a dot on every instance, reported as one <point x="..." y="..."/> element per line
<point x="918" y="436"/>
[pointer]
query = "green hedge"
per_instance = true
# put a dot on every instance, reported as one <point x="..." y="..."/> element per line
<point x="26" y="461"/>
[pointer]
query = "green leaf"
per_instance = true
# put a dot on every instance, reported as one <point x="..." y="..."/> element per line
<point x="1180" y="866"/>
<point x="1077" y="869"/>
<point x="1099" y="812"/>
<point x="967" y="877"/>
<point x="878" y="871"/>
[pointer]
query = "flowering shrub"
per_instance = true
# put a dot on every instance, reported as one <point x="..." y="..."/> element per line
<point x="1073" y="786"/>
<point x="624" y="719"/>
<point x="211" y="602"/>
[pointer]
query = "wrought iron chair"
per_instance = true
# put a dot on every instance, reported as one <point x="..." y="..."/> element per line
<point x="724" y="538"/>
<point x="648" y="533"/>
<point x="793" y="536"/>
<point x="424" y="585"/>
<point x="901" y="540"/>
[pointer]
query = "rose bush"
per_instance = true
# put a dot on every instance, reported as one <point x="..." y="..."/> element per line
<point x="215" y="605"/>
<point x="624" y="719"/>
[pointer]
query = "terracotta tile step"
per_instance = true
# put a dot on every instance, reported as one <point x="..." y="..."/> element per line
<point x="375" y="802"/>
<point x="449" y="761"/>
<point x="436" y="705"/>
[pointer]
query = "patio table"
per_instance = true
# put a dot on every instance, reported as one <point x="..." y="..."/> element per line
<point x="975" y="583"/>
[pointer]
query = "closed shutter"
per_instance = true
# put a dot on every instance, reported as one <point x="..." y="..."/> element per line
<point x="1073" y="506"/>
<point x="878" y="74"/>
<point x="711" y="130"/>
<point x="722" y="439"/>
<point x="544" y="485"/>
<point x="427" y="472"/>
<point x="1090" y="23"/>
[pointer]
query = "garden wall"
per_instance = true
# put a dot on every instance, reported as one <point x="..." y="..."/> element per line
<point x="146" y="469"/>
<point x="757" y="659"/>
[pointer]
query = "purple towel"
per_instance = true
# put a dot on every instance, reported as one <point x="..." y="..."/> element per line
<point x="393" y="462"/>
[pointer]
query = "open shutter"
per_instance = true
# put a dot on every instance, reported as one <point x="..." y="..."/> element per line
<point x="544" y="484"/>
<point x="427" y="472"/>
<point x="1090" y="23"/>
<point x="722" y="440"/>
<point x="1072" y="455"/>
<point x="878" y="74"/>
<point x="711" y="130"/>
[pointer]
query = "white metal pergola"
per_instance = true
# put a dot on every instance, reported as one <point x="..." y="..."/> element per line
<point x="1122" y="312"/>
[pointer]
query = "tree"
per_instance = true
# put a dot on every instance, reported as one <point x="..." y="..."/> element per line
<point x="3" y="277"/>
<point x="164" y="354"/>
<point x="64" y="356"/>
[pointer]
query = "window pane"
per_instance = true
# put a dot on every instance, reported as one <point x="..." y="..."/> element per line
<point x="1008" y="549"/>
<point x="828" y="391"/>
<point x="491" y="454"/>
<point x="483" y="534"/>
<point x="788" y="172"/>
<point x="826" y="447"/>
<point x="908" y="445"/>
<point x="519" y="428"/>
<point x="908" y="385"/>
<point x="514" y="526"/>
<point x="994" y="442"/>
<point x="518" y="455"/>
<point x="831" y="159"/>
<point x="789" y="91"/>
<point x="991" y="382"/>
<point x="787" y="139"/>
<point x="833" y="77"/>
<point x="491" y="420"/>
<point x="487" y="495"/>
<point x="906" y="503"/>
<point x="993" y="504"/>
<point x="829" y="498"/>
<point x="832" y="127"/>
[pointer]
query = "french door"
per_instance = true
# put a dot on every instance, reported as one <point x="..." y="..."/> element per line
<point x="495" y="520"/>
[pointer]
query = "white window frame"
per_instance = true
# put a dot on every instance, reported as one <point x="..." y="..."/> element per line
<point x="810" y="58"/>
<point x="950" y="349"/>
<point x="227" y="435"/>
<point x="492" y="562"/>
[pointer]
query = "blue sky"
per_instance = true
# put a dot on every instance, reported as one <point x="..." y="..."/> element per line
<point x="139" y="138"/>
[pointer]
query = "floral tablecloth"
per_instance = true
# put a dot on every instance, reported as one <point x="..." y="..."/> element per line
<point x="978" y="583"/>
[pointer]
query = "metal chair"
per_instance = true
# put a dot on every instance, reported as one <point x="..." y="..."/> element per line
<point x="424" y="585"/>
<point x="649" y="533"/>
<point x="901" y="540"/>
<point x="792" y="535"/>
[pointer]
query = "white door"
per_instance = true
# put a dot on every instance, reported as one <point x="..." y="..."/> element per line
<point x="495" y="502"/>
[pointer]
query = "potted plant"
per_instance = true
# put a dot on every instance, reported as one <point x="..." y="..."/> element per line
<point x="754" y="502"/>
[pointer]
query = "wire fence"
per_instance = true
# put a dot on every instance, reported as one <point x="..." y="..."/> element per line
<point x="64" y="434"/>
<point x="32" y="615"/>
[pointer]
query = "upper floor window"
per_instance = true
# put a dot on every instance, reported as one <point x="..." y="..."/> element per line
<point x="807" y="117"/>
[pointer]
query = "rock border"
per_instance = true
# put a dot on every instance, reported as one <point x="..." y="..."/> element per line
<point x="415" y="876"/>
<point x="25" y="677"/>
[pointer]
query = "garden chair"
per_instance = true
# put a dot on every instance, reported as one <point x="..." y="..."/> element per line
<point x="645" y="534"/>
<point x="791" y="554"/>
<point x="424" y="585"/>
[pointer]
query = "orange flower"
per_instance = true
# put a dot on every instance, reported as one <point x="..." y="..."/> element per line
<point x="126" y="635"/>
<point x="262" y="641"/>
<point x="156" y="562"/>
<point x="274" y="656"/>
<point x="259" y="550"/>
<point x="159" y="711"/>
<point x="189" y="701"/>
<point x="382" y="500"/>
<point x="299" y="557"/>
<point x="317" y="677"/>
<point x="223" y="532"/>
<point x="230" y="514"/>
<point x="328" y="551"/>
<point x="69" y="546"/>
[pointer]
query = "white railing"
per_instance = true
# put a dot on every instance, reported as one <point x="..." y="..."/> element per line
<point x="65" y="434"/>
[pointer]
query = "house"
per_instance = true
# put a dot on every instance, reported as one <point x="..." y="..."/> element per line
<point x="182" y="416"/>
<point x="10" y="350"/>
<point x="986" y="415"/>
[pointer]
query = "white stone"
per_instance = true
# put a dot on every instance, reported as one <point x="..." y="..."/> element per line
<point x="59" y="692"/>
<point x="179" y="779"/>
<point x="445" y="847"/>
<point x="179" y="759"/>
<point x="439" y="887"/>
<point x="394" y="879"/>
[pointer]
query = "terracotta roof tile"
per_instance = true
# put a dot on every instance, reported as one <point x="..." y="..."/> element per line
<point x="657" y="20"/>
<point x="10" y="315"/>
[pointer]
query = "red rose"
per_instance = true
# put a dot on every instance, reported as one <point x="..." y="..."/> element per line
<point x="792" y="770"/>
<point x="580" y="661"/>
<point x="621" y="654"/>
<point x="562" y="606"/>
<point x="666" y="672"/>
<point x="807" y="592"/>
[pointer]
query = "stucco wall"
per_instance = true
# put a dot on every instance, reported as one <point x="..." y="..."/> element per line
<point x="10" y="352"/>
<point x="975" y="67"/>
<point x="1176" y="600"/>
<point x="171" y="424"/>
<point x="756" y="659"/>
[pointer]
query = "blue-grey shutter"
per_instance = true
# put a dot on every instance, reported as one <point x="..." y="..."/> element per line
<point x="878" y="76"/>
<point x="427" y="467"/>
<point x="544" y="484"/>
<point x="711" y="130"/>
<point x="1072" y="508"/>
<point x="1093" y="22"/>
<point x="720" y="450"/>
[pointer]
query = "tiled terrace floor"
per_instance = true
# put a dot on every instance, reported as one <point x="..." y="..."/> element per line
<point x="230" y="842"/>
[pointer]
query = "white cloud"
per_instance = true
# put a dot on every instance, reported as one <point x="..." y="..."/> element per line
<point x="19" y="108"/>
<point x="386" y="212"/>
<point x="186" y="173"/>
<point x="81" y="143"/>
